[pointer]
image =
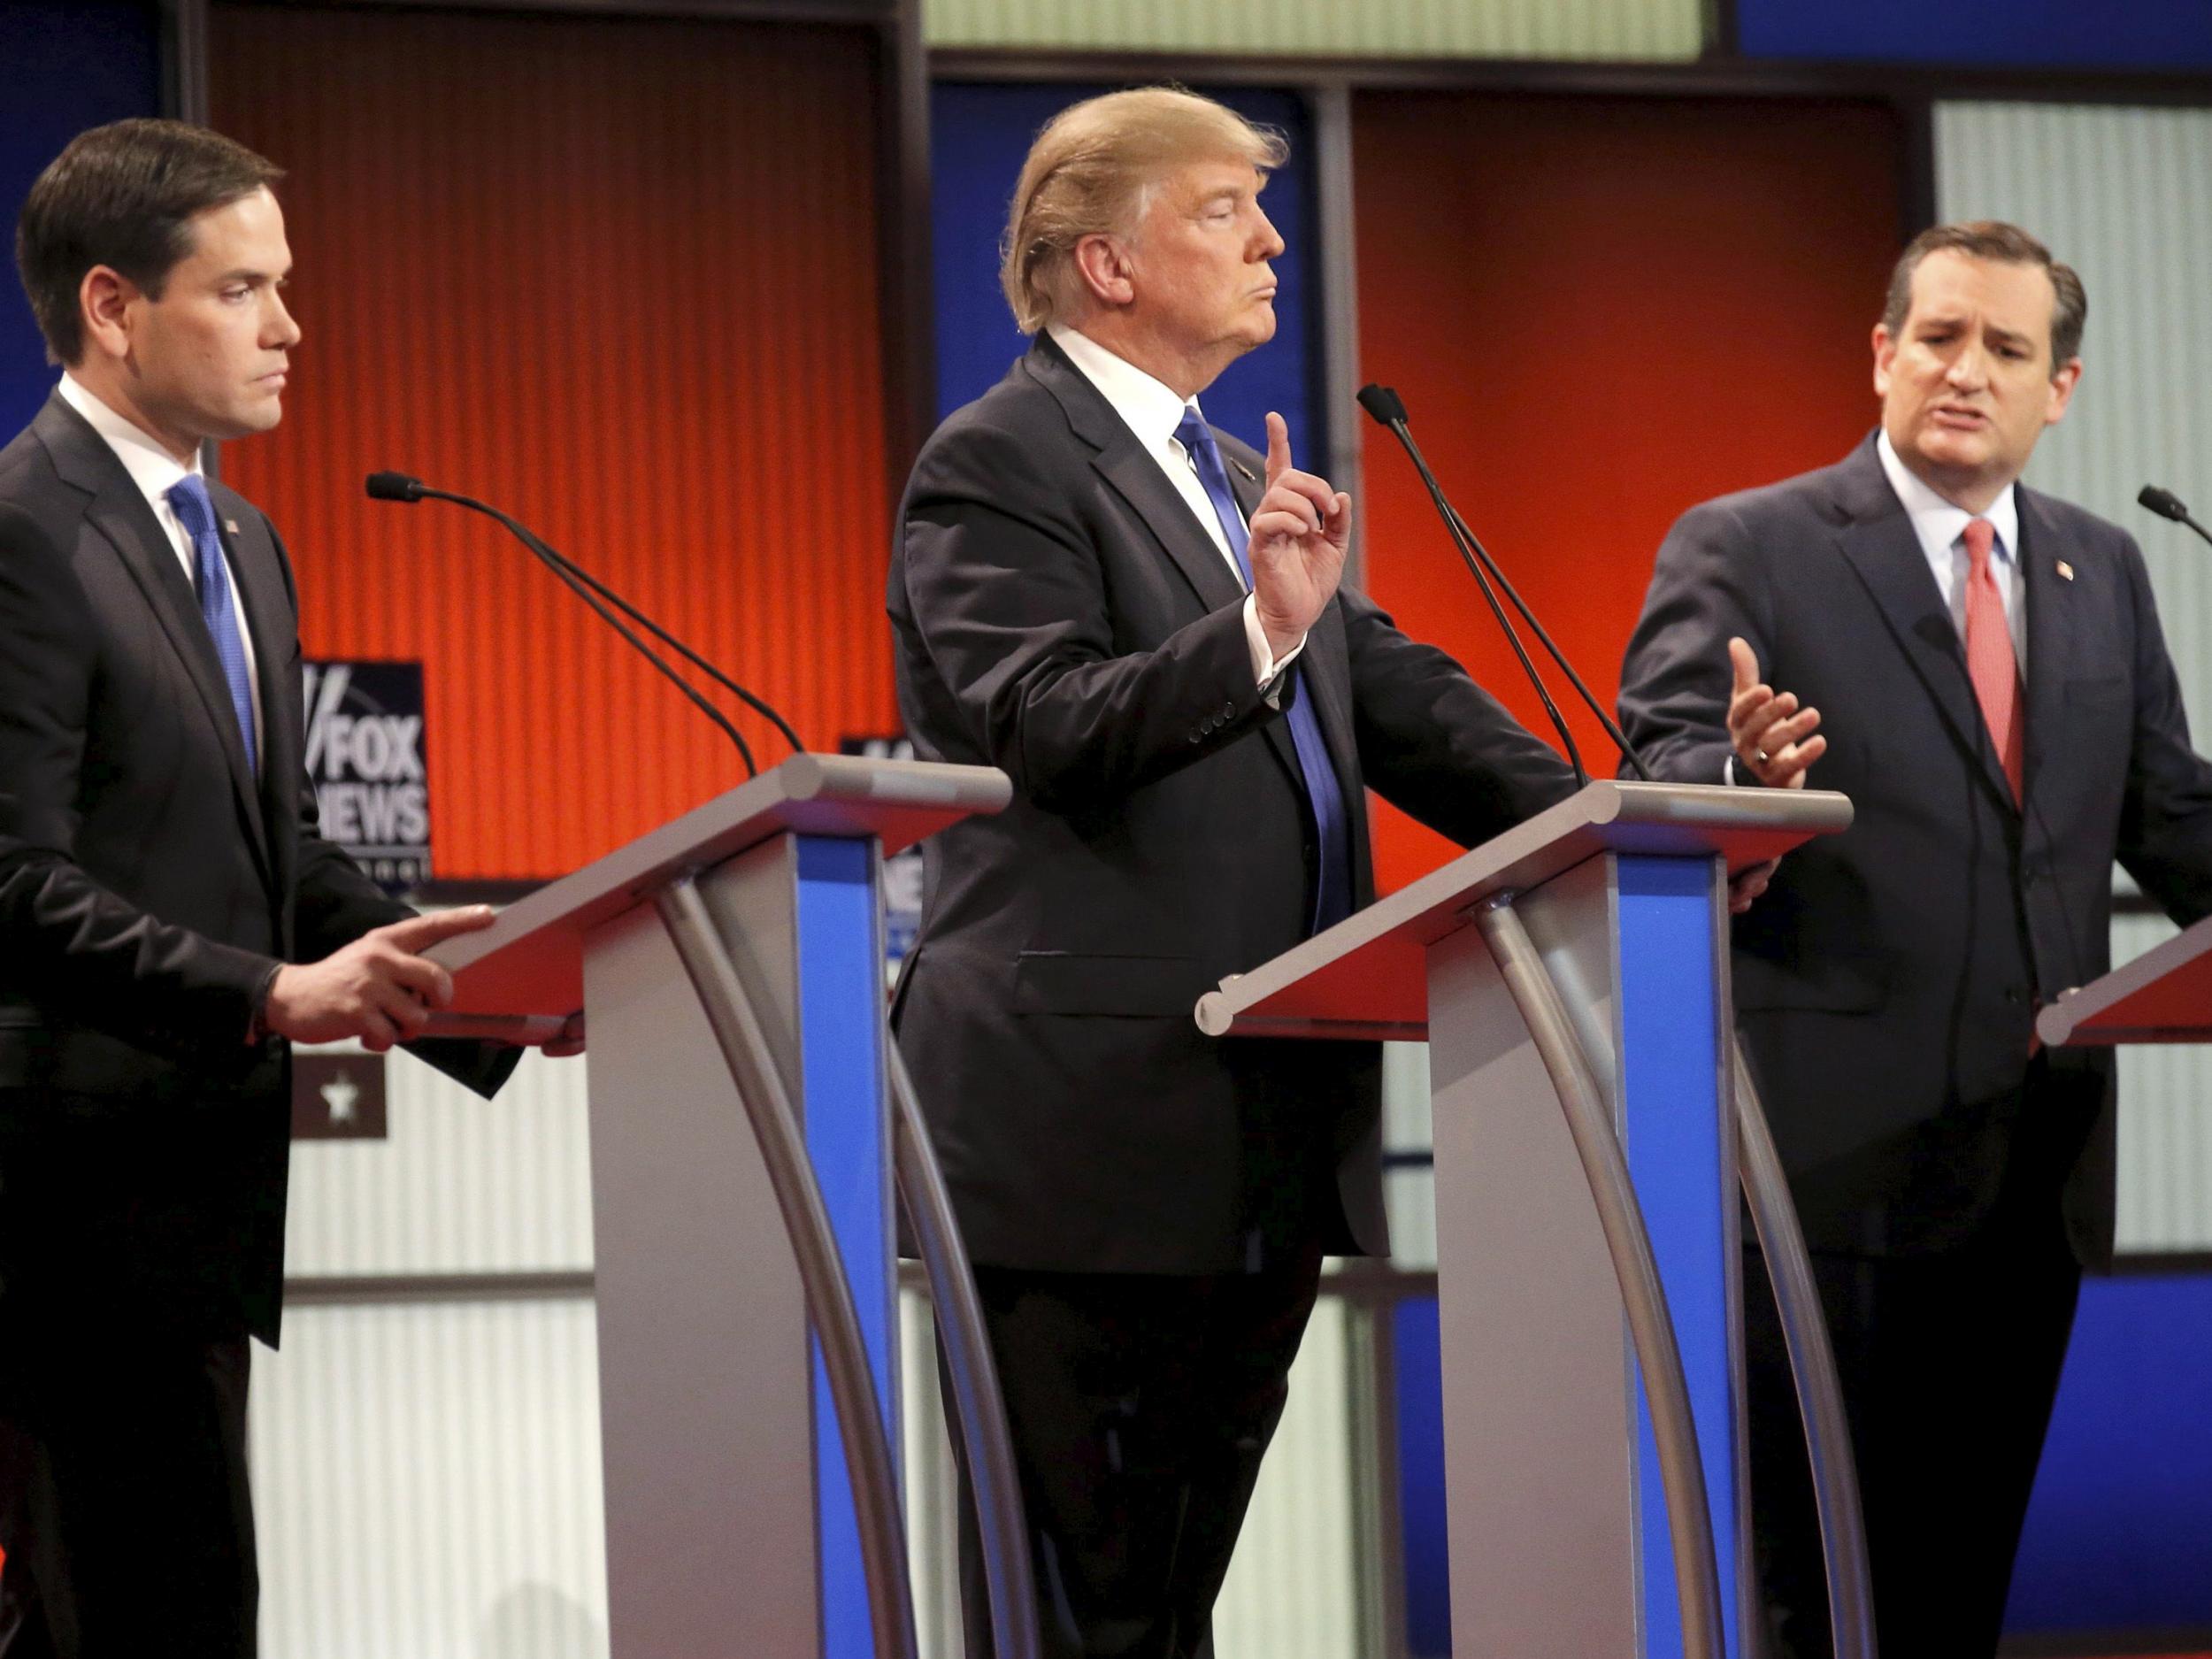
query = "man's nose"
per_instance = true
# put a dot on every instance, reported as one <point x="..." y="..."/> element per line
<point x="284" y="333"/>
<point x="1270" y="245"/>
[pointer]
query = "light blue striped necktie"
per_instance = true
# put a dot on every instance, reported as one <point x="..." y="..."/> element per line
<point x="189" y="498"/>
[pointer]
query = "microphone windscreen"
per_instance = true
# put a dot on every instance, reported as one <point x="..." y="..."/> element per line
<point x="393" y="487"/>
<point x="1384" y="404"/>
<point x="2165" y="502"/>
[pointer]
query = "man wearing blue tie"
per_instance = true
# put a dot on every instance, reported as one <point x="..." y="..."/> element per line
<point x="1139" y="618"/>
<point x="169" y="919"/>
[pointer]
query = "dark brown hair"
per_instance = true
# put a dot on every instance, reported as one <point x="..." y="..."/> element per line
<point x="123" y="196"/>
<point x="1992" y="239"/>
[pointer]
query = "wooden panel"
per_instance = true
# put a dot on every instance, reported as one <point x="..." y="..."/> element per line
<point x="1600" y="312"/>
<point x="619" y="277"/>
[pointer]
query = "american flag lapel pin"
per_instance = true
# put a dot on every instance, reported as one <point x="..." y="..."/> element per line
<point x="2065" y="571"/>
<point x="1251" y="477"/>
<point x="231" y="525"/>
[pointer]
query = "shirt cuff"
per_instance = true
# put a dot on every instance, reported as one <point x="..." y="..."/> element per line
<point x="1265" y="665"/>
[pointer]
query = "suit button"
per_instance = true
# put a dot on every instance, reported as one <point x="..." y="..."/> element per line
<point x="1228" y="710"/>
<point x="1197" y="737"/>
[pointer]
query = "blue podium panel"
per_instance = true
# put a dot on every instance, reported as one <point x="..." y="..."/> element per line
<point x="1683" y="1158"/>
<point x="840" y="941"/>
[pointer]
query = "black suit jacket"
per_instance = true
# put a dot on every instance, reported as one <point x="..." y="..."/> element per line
<point x="148" y="883"/>
<point x="1059" y="612"/>
<point x="1886" y="983"/>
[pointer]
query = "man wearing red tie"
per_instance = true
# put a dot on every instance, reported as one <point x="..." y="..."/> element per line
<point x="1981" y="669"/>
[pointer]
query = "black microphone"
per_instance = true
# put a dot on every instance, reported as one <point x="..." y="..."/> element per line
<point x="2166" y="504"/>
<point x="400" y="488"/>
<point x="1389" y="410"/>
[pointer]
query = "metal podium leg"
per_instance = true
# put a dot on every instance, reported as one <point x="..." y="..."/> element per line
<point x="744" y="1045"/>
<point x="1682" y="1472"/>
<point x="979" y="1409"/>
<point x="1813" y="1366"/>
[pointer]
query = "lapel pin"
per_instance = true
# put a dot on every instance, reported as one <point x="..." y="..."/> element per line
<point x="231" y="525"/>
<point x="1250" y="476"/>
<point x="2065" y="571"/>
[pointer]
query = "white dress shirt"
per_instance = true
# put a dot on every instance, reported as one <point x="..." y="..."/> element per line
<point x="1151" y="408"/>
<point x="156" y="471"/>
<point x="1941" y="527"/>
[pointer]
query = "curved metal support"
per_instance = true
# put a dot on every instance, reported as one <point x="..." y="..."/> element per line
<point x="1666" y="1385"/>
<point x="979" y="1409"/>
<point x="829" y="1297"/>
<point x="1813" y="1366"/>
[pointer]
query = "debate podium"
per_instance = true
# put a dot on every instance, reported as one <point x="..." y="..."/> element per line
<point x="731" y="966"/>
<point x="1572" y="979"/>
<point x="2164" y="995"/>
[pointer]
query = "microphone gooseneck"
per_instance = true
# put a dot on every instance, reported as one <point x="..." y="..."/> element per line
<point x="400" y="488"/>
<point x="1388" y="410"/>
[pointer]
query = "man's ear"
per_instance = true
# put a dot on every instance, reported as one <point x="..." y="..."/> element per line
<point x="104" y="302"/>
<point x="2063" y="385"/>
<point x="1102" y="261"/>
<point x="1885" y="354"/>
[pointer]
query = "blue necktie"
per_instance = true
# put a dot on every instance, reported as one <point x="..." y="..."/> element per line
<point x="1332" y="897"/>
<point x="189" y="498"/>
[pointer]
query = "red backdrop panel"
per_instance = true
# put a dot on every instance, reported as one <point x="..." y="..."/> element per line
<point x="618" y="276"/>
<point x="1600" y="311"/>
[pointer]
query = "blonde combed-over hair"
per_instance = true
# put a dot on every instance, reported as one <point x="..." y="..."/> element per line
<point x="1091" y="171"/>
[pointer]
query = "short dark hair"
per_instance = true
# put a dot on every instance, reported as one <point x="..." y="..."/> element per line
<point x="1992" y="239"/>
<point x="123" y="196"/>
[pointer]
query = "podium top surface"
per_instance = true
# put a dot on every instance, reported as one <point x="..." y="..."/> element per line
<point x="1368" y="976"/>
<point x="2164" y="995"/>
<point x="530" y="961"/>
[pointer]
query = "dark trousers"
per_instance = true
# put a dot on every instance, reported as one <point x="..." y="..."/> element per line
<point x="124" y="1506"/>
<point x="1140" y="1406"/>
<point x="1949" y="1364"/>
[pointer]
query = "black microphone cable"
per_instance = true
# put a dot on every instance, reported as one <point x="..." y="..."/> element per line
<point x="1389" y="410"/>
<point x="400" y="488"/>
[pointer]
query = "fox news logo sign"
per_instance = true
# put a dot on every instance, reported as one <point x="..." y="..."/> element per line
<point x="365" y="754"/>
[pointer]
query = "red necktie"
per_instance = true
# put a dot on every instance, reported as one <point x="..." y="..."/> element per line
<point x="1990" y="663"/>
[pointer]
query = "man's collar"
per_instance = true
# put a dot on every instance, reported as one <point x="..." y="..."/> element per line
<point x="152" y="468"/>
<point x="1148" y="406"/>
<point x="1940" y="523"/>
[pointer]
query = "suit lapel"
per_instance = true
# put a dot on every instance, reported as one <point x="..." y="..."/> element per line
<point x="255" y="564"/>
<point x="2052" y="624"/>
<point x="120" y="514"/>
<point x="1136" y="477"/>
<point x="1879" y="541"/>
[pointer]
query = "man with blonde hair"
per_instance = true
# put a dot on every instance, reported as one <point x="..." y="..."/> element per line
<point x="1141" y="620"/>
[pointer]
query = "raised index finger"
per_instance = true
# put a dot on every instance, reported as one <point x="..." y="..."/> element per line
<point x="1278" y="446"/>
<point x="1745" y="663"/>
<point x="419" y="932"/>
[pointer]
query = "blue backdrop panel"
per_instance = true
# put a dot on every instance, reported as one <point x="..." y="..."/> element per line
<point x="63" y="68"/>
<point x="2119" y="1534"/>
<point x="2053" y="34"/>
<point x="1416" y="1351"/>
<point x="1670" y="1081"/>
<point x="978" y="133"/>
<point x="848" y="1138"/>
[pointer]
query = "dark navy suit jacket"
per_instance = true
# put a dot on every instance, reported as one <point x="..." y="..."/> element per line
<point x="1887" y="982"/>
